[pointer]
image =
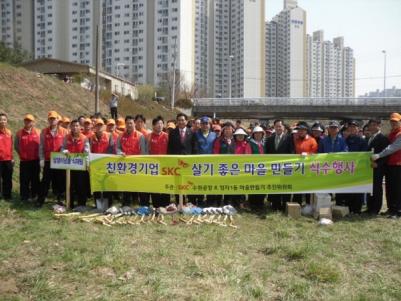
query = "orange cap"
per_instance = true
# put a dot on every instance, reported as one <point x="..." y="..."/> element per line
<point x="66" y="119"/>
<point x="29" y="117"/>
<point x="170" y="125"/>
<point x="52" y="114"/>
<point x="395" y="117"/>
<point x="99" y="121"/>
<point x="87" y="120"/>
<point x="111" y="121"/>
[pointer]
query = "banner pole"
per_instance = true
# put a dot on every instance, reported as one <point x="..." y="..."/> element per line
<point x="180" y="202"/>
<point x="67" y="188"/>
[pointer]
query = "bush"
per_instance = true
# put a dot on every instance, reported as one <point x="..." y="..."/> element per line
<point x="12" y="56"/>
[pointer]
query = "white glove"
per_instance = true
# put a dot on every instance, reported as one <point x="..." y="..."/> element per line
<point x="65" y="152"/>
<point x="375" y="157"/>
<point x="304" y="154"/>
<point x="121" y="154"/>
<point x="42" y="163"/>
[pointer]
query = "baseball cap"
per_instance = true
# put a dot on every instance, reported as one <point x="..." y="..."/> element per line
<point x="111" y="121"/>
<point x="52" y="114"/>
<point x="334" y="123"/>
<point x="170" y="125"/>
<point x="29" y="117"/>
<point x="99" y="121"/>
<point x="87" y="120"/>
<point x="395" y="117"/>
<point x="204" y="119"/>
<point x="317" y="127"/>
<point x="353" y="122"/>
<point x="66" y="119"/>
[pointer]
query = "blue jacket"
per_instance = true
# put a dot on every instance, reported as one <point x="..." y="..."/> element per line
<point x="204" y="145"/>
<point x="326" y="145"/>
<point x="357" y="144"/>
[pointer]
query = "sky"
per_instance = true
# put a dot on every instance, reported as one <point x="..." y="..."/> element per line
<point x="368" y="26"/>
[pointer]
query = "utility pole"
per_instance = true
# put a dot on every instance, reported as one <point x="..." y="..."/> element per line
<point x="97" y="109"/>
<point x="174" y="61"/>
<point x="385" y="71"/>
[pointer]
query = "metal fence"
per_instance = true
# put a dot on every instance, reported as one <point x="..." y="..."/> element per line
<point x="299" y="101"/>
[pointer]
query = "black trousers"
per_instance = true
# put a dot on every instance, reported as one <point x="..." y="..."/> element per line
<point x="279" y="201"/>
<point x="393" y="189"/>
<point x="55" y="177"/>
<point x="29" y="174"/>
<point x="113" y="113"/>
<point x="197" y="199"/>
<point x="256" y="201"/>
<point x="297" y="198"/>
<point x="160" y="199"/>
<point x="353" y="200"/>
<point x="78" y="189"/>
<point x="6" y="175"/>
<point x="375" y="201"/>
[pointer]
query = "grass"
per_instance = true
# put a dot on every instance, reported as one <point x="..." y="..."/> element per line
<point x="268" y="258"/>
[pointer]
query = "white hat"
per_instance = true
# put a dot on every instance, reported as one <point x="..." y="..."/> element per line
<point x="257" y="129"/>
<point x="240" y="131"/>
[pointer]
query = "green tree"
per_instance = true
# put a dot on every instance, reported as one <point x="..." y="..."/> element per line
<point x="13" y="56"/>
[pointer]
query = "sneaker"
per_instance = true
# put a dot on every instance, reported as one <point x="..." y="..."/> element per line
<point x="392" y="216"/>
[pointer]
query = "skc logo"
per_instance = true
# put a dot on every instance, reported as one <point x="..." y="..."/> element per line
<point x="174" y="171"/>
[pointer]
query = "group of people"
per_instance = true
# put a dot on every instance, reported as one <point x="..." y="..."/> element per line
<point x="200" y="136"/>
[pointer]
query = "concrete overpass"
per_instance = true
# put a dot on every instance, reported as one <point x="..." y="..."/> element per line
<point x="297" y="108"/>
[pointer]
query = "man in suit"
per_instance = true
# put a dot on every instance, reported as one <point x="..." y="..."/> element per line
<point x="181" y="140"/>
<point x="279" y="143"/>
<point x="377" y="142"/>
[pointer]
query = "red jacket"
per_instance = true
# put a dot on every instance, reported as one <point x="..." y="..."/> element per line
<point x="157" y="144"/>
<point x="102" y="145"/>
<point x="51" y="144"/>
<point x="242" y="148"/>
<point x="75" y="145"/>
<point x="395" y="158"/>
<point x="27" y="144"/>
<point x="88" y="134"/>
<point x="130" y="144"/>
<point x="6" y="145"/>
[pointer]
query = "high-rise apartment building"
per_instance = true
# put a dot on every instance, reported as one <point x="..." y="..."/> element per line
<point x="232" y="32"/>
<point x="16" y="24"/>
<point x="330" y="67"/>
<point x="286" y="55"/>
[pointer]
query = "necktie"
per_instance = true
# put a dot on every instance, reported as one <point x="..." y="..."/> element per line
<point x="182" y="136"/>
<point x="277" y="142"/>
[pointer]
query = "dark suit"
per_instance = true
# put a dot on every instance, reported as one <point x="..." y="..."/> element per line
<point x="176" y="147"/>
<point x="286" y="146"/>
<point x="375" y="201"/>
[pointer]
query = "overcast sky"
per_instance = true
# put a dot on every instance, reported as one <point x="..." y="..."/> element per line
<point x="368" y="26"/>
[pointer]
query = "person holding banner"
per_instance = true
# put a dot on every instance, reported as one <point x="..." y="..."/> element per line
<point x="280" y="142"/>
<point x="157" y="142"/>
<point x="51" y="140"/>
<point x="257" y="145"/>
<point x="377" y="142"/>
<point x="393" y="175"/>
<point x="131" y="143"/>
<point x="101" y="142"/>
<point x="6" y="158"/>
<point x="225" y="144"/>
<point x="26" y="144"/>
<point x="203" y="145"/>
<point x="77" y="143"/>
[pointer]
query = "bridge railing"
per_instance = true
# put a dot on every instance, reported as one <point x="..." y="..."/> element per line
<point x="298" y="101"/>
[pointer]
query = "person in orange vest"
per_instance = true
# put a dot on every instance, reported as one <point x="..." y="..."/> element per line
<point x="88" y="126"/>
<point x="26" y="144"/>
<point x="304" y="144"/>
<point x="101" y="142"/>
<point x="6" y="158"/>
<point x="131" y="142"/>
<point x="111" y="128"/>
<point x="393" y="175"/>
<point x="51" y="140"/>
<point x="65" y="123"/>
<point x="157" y="142"/>
<point x="140" y="125"/>
<point x="77" y="143"/>
<point x="120" y="125"/>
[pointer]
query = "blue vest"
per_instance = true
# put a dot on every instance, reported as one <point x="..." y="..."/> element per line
<point x="205" y="144"/>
